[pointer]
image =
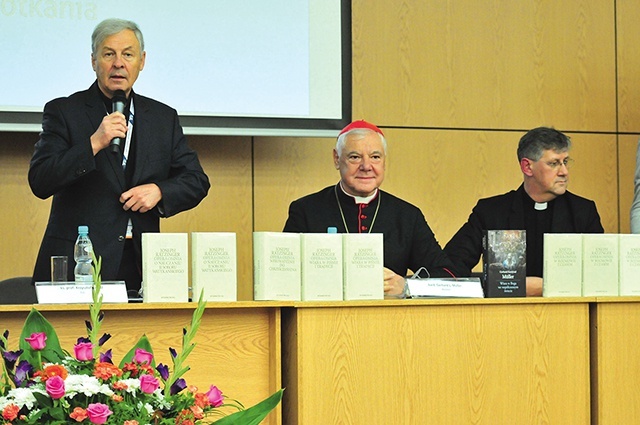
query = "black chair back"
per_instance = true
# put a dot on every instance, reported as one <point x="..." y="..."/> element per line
<point x="18" y="290"/>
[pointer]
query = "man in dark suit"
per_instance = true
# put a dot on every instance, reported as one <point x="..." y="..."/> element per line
<point x="119" y="194"/>
<point x="540" y="205"/>
<point x="357" y="205"/>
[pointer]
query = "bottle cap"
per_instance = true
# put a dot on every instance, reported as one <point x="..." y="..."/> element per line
<point x="332" y="230"/>
<point x="83" y="230"/>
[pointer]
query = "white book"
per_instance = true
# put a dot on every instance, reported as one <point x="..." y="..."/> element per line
<point x="321" y="261"/>
<point x="562" y="265"/>
<point x="599" y="265"/>
<point x="214" y="266"/>
<point x="165" y="267"/>
<point x="276" y="266"/>
<point x="363" y="256"/>
<point x="629" y="265"/>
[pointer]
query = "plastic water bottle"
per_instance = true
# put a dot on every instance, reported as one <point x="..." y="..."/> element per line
<point x="83" y="255"/>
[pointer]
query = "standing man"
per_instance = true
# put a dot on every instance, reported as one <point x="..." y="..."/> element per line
<point x="356" y="205"/>
<point x="540" y="205"/>
<point x="118" y="193"/>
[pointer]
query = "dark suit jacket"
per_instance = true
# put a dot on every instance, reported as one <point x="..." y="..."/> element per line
<point x="86" y="189"/>
<point x="571" y="214"/>
<point x="409" y="243"/>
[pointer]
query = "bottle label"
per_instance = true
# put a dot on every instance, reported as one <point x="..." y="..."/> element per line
<point x="84" y="278"/>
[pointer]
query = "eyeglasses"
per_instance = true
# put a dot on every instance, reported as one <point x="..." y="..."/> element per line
<point x="567" y="162"/>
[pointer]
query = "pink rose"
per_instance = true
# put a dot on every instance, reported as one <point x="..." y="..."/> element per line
<point x="149" y="384"/>
<point x="55" y="387"/>
<point x="142" y="356"/>
<point x="98" y="413"/>
<point x="83" y="351"/>
<point x="215" y="396"/>
<point x="37" y="340"/>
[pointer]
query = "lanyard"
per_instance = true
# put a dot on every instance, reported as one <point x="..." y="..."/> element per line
<point x="127" y="145"/>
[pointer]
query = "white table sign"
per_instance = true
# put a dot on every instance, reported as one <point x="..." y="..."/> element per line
<point x="461" y="287"/>
<point x="79" y="293"/>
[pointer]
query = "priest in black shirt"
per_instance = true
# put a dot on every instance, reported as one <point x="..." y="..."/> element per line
<point x="540" y="205"/>
<point x="357" y="205"/>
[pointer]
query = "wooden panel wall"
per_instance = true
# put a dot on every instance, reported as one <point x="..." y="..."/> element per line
<point x="492" y="64"/>
<point x="454" y="85"/>
<point x="627" y="16"/>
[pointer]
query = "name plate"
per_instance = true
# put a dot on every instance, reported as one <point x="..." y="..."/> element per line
<point x="461" y="287"/>
<point x="80" y="293"/>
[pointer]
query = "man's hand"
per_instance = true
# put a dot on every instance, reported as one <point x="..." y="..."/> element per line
<point x="534" y="286"/>
<point x="112" y="125"/>
<point x="393" y="284"/>
<point x="141" y="198"/>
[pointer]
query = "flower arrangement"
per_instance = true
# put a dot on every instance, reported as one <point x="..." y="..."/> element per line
<point x="40" y="383"/>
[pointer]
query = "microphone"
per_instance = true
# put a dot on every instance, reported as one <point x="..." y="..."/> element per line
<point x="118" y="102"/>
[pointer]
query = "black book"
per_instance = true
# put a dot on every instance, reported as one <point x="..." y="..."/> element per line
<point x="505" y="263"/>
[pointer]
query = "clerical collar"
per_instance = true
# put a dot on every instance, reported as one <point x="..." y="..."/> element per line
<point x="361" y="199"/>
<point x="540" y="206"/>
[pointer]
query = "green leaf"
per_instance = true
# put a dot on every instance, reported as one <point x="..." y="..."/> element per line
<point x="57" y="413"/>
<point x="142" y="343"/>
<point x="43" y="400"/>
<point x="35" y="418"/>
<point x="255" y="414"/>
<point x="52" y="352"/>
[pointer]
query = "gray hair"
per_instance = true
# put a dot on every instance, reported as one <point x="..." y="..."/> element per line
<point x="360" y="133"/>
<point x="533" y="144"/>
<point x="112" y="26"/>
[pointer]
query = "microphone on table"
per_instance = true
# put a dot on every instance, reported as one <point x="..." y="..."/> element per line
<point x="118" y="102"/>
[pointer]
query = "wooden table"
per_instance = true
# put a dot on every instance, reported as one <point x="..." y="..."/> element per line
<point x="615" y="338"/>
<point x="490" y="361"/>
<point x="237" y="345"/>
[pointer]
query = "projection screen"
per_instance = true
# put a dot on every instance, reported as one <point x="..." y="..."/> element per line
<point x="229" y="67"/>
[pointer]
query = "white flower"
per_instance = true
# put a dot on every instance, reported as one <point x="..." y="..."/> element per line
<point x="87" y="385"/>
<point x="133" y="384"/>
<point x="21" y="397"/>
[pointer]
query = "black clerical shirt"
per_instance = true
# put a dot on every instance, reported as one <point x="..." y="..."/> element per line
<point x="537" y="223"/>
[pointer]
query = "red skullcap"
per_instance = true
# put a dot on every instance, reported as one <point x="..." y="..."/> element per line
<point x="361" y="124"/>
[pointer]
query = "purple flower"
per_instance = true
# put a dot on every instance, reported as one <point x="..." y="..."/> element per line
<point x="55" y="387"/>
<point x="173" y="352"/>
<point x="22" y="372"/>
<point x="163" y="370"/>
<point x="37" y="341"/>
<point x="104" y="339"/>
<point x="178" y="386"/>
<point x="107" y="357"/>
<point x="11" y="357"/>
<point x="82" y="339"/>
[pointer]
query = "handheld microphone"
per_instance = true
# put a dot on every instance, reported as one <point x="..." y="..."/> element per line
<point x="118" y="102"/>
